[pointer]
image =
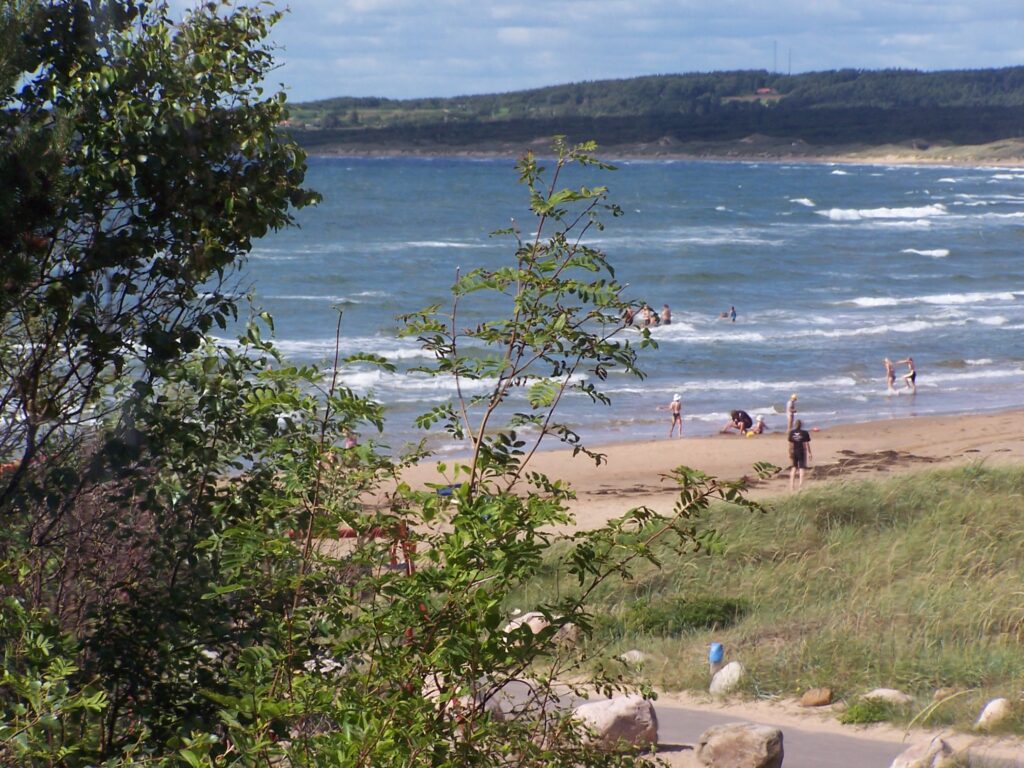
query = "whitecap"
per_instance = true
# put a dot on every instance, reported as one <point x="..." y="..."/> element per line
<point x="859" y="214"/>
<point x="995" y="320"/>
<point x="840" y="173"/>
<point x="438" y="244"/>
<point x="974" y="297"/>
<point x="980" y="361"/>
<point x="803" y="201"/>
<point x="311" y="297"/>
<point x="935" y="253"/>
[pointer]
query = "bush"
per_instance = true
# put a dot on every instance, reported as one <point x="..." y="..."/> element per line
<point x="863" y="711"/>
<point x="678" y="615"/>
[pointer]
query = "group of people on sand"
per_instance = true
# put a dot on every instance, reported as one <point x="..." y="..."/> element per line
<point x="909" y="378"/>
<point x="797" y="437"/>
<point x="646" y="317"/>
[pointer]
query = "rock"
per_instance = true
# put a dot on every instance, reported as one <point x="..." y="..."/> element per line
<point x="622" y="721"/>
<point x="727" y="679"/>
<point x="741" y="745"/>
<point x="995" y="713"/>
<point x="567" y="634"/>
<point x="534" y="620"/>
<point x="889" y="696"/>
<point x="934" y="754"/>
<point x="816" y="697"/>
<point x="633" y="658"/>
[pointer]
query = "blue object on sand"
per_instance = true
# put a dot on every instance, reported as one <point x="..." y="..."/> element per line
<point x="716" y="653"/>
<point x="447" y="490"/>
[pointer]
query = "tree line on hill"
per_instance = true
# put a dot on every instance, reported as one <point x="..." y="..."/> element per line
<point x="833" y="107"/>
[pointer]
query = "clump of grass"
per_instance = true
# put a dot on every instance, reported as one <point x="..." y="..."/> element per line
<point x="865" y="711"/>
<point x="674" y="616"/>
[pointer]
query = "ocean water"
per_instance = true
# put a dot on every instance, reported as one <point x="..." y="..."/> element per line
<point x="831" y="268"/>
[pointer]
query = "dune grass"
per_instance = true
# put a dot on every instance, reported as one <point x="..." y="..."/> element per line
<point x="915" y="583"/>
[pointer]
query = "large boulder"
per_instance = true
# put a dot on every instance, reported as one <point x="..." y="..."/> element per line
<point x="996" y="713"/>
<point x="533" y="619"/>
<point x="816" y="697"/>
<point x="620" y="722"/>
<point x="567" y="634"/>
<point x="889" y="696"/>
<point x="727" y="679"/>
<point x="934" y="754"/>
<point x="633" y="658"/>
<point x="741" y="745"/>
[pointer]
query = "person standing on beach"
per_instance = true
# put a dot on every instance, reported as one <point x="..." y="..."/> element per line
<point x="676" y="409"/>
<point x="890" y="376"/>
<point x="799" y="452"/>
<point x="790" y="412"/>
<point x="910" y="377"/>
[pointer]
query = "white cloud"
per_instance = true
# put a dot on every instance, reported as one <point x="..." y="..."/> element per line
<point x="405" y="48"/>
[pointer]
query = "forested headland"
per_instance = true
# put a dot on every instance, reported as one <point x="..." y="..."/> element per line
<point x="795" y="114"/>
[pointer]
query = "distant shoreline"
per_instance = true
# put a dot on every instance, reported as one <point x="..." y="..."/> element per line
<point x="1008" y="153"/>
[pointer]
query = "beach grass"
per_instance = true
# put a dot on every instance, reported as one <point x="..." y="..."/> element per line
<point x="914" y="582"/>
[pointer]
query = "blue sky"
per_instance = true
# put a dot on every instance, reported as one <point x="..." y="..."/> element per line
<point x="411" y="48"/>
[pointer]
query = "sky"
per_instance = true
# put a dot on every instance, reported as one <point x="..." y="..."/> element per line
<point x="422" y="48"/>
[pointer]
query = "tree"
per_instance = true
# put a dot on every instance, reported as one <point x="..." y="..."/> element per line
<point x="139" y="160"/>
<point x="194" y="572"/>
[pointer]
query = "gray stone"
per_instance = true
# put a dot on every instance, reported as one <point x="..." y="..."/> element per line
<point x="634" y="657"/>
<point x="996" y="713"/>
<point x="620" y="722"/>
<point x="741" y="745"/>
<point x="934" y="754"/>
<point x="727" y="679"/>
<point x="889" y="696"/>
<point x="533" y="619"/>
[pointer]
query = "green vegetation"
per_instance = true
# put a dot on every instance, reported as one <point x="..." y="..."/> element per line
<point x="193" y="569"/>
<point x="834" y="107"/>
<point x="912" y="583"/>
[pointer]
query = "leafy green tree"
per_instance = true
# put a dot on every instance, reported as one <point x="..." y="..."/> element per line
<point x="194" y="569"/>
<point x="137" y="163"/>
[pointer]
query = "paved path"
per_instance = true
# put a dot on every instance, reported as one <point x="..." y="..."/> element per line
<point x="803" y="749"/>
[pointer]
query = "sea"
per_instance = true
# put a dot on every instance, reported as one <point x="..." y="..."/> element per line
<point x="830" y="267"/>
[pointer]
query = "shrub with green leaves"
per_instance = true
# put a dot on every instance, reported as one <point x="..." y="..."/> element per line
<point x="193" y="566"/>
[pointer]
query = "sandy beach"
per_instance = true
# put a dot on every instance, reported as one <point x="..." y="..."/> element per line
<point x="635" y="474"/>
